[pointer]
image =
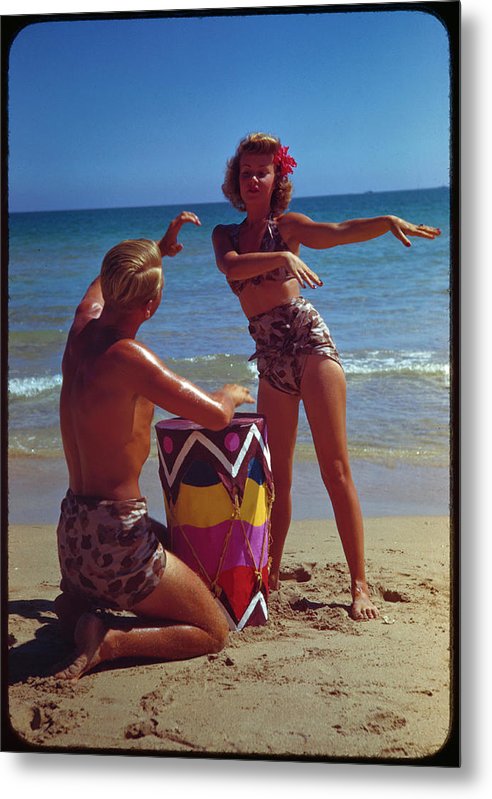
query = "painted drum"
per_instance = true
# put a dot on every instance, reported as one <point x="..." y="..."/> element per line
<point x="218" y="494"/>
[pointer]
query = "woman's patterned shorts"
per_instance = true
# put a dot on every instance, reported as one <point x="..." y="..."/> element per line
<point x="284" y="337"/>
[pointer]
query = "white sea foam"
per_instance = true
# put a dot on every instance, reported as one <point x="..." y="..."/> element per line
<point x="362" y="364"/>
<point x="20" y="387"/>
<point x="379" y="362"/>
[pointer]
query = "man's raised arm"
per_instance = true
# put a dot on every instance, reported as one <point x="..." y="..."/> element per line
<point x="90" y="306"/>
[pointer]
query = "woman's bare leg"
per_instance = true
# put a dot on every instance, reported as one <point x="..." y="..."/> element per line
<point x="324" y="395"/>
<point x="182" y="621"/>
<point x="282" y="413"/>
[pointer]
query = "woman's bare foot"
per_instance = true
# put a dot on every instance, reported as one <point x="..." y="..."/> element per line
<point x="273" y="582"/>
<point x="89" y="634"/>
<point x="362" y="608"/>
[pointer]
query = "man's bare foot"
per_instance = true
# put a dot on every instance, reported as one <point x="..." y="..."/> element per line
<point x="362" y="608"/>
<point x="89" y="635"/>
<point x="69" y="610"/>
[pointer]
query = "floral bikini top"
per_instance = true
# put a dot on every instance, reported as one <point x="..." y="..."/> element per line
<point x="272" y="242"/>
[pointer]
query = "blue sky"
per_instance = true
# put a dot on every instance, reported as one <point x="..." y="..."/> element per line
<point x="108" y="113"/>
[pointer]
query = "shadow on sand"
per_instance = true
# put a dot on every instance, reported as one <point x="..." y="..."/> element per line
<point x="38" y="656"/>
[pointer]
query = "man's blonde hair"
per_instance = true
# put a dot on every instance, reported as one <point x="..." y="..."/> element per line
<point x="257" y="143"/>
<point x="131" y="274"/>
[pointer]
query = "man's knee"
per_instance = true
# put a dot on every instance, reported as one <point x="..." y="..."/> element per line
<point x="219" y="634"/>
<point x="217" y="626"/>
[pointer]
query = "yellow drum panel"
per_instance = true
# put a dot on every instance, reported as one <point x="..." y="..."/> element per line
<point x="206" y="506"/>
<point x="254" y="508"/>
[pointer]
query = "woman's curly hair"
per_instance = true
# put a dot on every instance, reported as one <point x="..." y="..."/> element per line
<point x="256" y="143"/>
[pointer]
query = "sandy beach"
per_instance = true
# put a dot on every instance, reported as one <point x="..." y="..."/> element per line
<point x="310" y="684"/>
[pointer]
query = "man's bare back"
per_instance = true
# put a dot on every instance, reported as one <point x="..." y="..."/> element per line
<point x="105" y="422"/>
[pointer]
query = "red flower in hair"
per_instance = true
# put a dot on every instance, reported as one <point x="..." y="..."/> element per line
<point x="285" y="161"/>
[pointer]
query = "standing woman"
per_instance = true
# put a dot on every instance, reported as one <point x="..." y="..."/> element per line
<point x="297" y="358"/>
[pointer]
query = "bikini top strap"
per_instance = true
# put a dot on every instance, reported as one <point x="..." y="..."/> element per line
<point x="275" y="235"/>
<point x="271" y="238"/>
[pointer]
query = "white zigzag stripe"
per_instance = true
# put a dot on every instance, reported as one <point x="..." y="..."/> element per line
<point x="196" y="436"/>
<point x="257" y="599"/>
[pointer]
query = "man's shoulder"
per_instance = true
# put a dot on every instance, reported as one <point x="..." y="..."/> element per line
<point x="134" y="358"/>
<point x="129" y="348"/>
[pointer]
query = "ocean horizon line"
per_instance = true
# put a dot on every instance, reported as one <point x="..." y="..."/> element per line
<point x="224" y="202"/>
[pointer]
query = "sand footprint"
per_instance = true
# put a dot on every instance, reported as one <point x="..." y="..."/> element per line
<point x="393" y="596"/>
<point x="300" y="573"/>
<point x="384" y="721"/>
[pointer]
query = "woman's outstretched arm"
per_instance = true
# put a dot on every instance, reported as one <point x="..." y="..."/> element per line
<point x="300" y="229"/>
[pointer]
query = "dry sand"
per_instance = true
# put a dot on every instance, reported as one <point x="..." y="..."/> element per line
<point x="310" y="684"/>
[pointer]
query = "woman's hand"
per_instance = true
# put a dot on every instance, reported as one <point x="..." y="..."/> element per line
<point x="402" y="229"/>
<point x="169" y="244"/>
<point x="301" y="271"/>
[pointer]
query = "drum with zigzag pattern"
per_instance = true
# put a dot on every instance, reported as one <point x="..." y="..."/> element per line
<point x="218" y="493"/>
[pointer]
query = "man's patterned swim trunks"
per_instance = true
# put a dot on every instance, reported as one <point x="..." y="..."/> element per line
<point x="108" y="551"/>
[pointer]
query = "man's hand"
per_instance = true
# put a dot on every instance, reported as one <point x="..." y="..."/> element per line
<point x="238" y="394"/>
<point x="169" y="244"/>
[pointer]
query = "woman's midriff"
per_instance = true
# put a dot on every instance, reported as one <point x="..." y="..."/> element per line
<point x="259" y="299"/>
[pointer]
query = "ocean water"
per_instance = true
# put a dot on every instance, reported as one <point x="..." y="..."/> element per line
<point x="387" y="307"/>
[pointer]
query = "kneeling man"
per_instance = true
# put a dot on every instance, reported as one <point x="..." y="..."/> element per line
<point x="109" y="548"/>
